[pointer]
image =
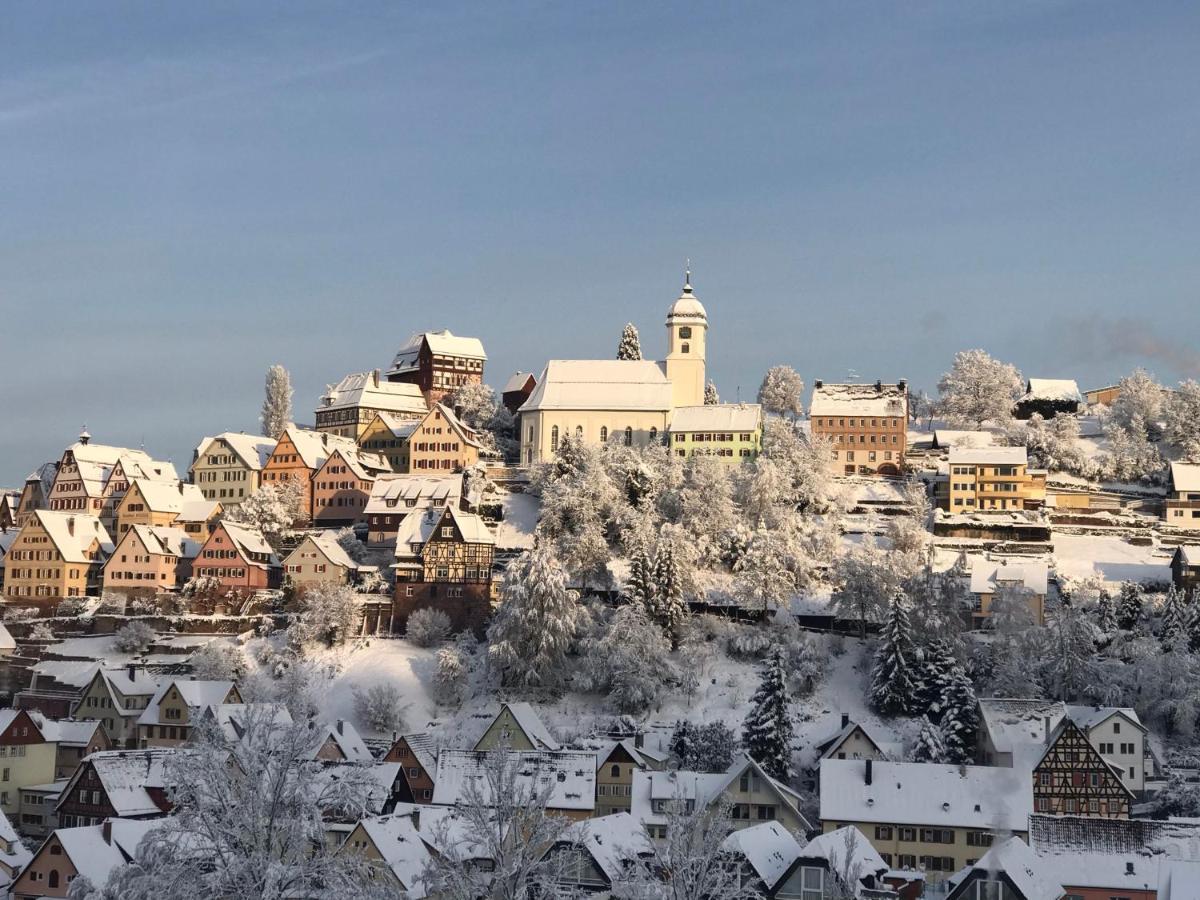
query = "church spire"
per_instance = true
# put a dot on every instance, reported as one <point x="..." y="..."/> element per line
<point x="687" y="276"/>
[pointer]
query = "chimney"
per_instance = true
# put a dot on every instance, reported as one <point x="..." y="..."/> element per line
<point x="131" y="669"/>
<point x="879" y="387"/>
<point x="845" y="719"/>
<point x="868" y="771"/>
<point x="106" y="831"/>
<point x="375" y="378"/>
<point x="339" y="726"/>
<point x="1129" y="867"/>
<point x="638" y="740"/>
<point x="903" y="385"/>
<point x="181" y="487"/>
<point x="1046" y="723"/>
<point x="70" y="524"/>
<point x="818" y="384"/>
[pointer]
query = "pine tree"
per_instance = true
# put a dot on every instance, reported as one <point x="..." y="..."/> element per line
<point x="711" y="397"/>
<point x="932" y="665"/>
<point x="682" y="745"/>
<point x="277" y="404"/>
<point x="641" y="579"/>
<point x="631" y="344"/>
<point x="767" y="731"/>
<point x="892" y="686"/>
<point x="1106" y="613"/>
<point x="667" y="606"/>
<point x="959" y="716"/>
<point x="931" y="745"/>
<point x="1193" y="622"/>
<point x="1172" y="631"/>
<point x="1130" y="605"/>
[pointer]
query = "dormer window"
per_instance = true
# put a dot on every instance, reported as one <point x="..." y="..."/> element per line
<point x="685" y="333"/>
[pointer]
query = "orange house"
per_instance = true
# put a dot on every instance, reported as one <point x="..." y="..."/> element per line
<point x="443" y="444"/>
<point x="341" y="487"/>
<point x="298" y="456"/>
<point x="239" y="558"/>
<point x="149" y="559"/>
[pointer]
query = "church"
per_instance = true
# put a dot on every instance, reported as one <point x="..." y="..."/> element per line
<point x="599" y="400"/>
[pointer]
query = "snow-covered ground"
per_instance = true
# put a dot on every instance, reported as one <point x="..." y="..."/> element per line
<point x="1113" y="559"/>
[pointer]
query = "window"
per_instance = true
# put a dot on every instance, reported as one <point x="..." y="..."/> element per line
<point x="883" y="832"/>
<point x="685" y="333"/>
<point x="554" y="438"/>
<point x="812" y="883"/>
<point x="628" y="436"/>
<point x="616" y="771"/>
<point x="603" y="433"/>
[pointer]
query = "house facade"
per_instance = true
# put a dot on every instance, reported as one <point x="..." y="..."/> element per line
<point x="55" y="555"/>
<point x="1182" y="507"/>
<point x="395" y="497"/>
<point x="298" y="456"/>
<point x="176" y="707"/>
<point x="239" y="558"/>
<point x="417" y="755"/>
<point x="985" y="479"/>
<point x="442" y="444"/>
<point x="116" y="697"/>
<point x="444" y="561"/>
<point x="149" y="559"/>
<point x="1027" y="578"/>
<point x="161" y="504"/>
<point x="1185" y="567"/>
<point x="438" y="363"/>
<point x="319" y="559"/>
<point x="349" y="406"/>
<point x="866" y="425"/>
<point x="341" y="487"/>
<point x="228" y="467"/>
<point x="517" y="390"/>
<point x="129" y="784"/>
<point x="27" y="757"/>
<point x="1073" y="779"/>
<point x="729" y="432"/>
<point x="387" y="435"/>
<point x="1047" y="397"/>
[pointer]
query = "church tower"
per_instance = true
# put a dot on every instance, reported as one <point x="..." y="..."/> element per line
<point x="687" y="334"/>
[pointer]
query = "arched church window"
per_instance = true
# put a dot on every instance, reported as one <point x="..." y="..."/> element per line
<point x="603" y="434"/>
<point x="554" y="438"/>
<point x="628" y="436"/>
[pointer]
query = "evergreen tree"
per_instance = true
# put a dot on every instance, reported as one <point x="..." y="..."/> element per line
<point x="1172" y="631"/>
<point x="767" y="731"/>
<point x="931" y="745"/>
<point x="682" y="745"/>
<point x="535" y="622"/>
<point x="1193" y="622"/>
<point x="1106" y="613"/>
<point x="892" y="685"/>
<point x="631" y="344"/>
<point x="641" y="579"/>
<point x="959" y="716"/>
<point x="667" y="606"/>
<point x="932" y="665"/>
<point x="711" y="397"/>
<point x="1069" y="664"/>
<point x="1130" y="605"/>
<point x="277" y="404"/>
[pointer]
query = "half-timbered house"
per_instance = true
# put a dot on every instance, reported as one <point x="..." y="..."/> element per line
<point x="1073" y="779"/>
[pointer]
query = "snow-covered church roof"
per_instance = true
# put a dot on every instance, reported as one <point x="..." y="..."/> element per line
<point x="688" y="307"/>
<point x="637" y="385"/>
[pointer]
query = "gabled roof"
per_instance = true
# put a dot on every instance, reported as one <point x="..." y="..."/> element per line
<point x="516" y="382"/>
<point x="250" y="540"/>
<point x="717" y="417"/>
<point x="702" y="787"/>
<point x="1019" y="726"/>
<point x="18" y="854"/>
<point x="402" y="848"/>
<point x="832" y="846"/>
<point x="392" y="493"/>
<point x="613" y="842"/>
<point x="314" y="447"/>
<point x="830" y="746"/>
<point x="8" y="715"/>
<point x="92" y="855"/>
<point x="1185" y="476"/>
<point x="327" y="543"/>
<point x="615" y="384"/>
<point x="7" y="641"/>
<point x="984" y="797"/>
<point x="231" y="717"/>
<point x="166" y="496"/>
<point x="857" y="399"/>
<point x="141" y="684"/>
<point x="6" y="541"/>
<point x="471" y="526"/>
<point x="530" y="724"/>
<point x="126" y="776"/>
<point x="160" y="541"/>
<point x="196" y="694"/>
<point x="1088" y="717"/>
<point x="399" y="427"/>
<point x="441" y="343"/>
<point x="253" y="450"/>
<point x="1188" y="554"/>
<point x="70" y="732"/>
<point x="987" y="577"/>
<point x="1067" y="725"/>
<point x="1027" y="872"/>
<point x="1055" y="390"/>
<point x="424" y="748"/>
<point x="989" y="456"/>
<point x="72" y="533"/>
<point x="367" y="390"/>
<point x="347" y="738"/>
<point x="769" y="848"/>
<point x="467" y="435"/>
<point x="365" y="466"/>
<point x="571" y="774"/>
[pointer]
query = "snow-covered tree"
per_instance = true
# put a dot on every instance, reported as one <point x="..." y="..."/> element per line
<point x="979" y="389"/>
<point x="133" y="638"/>
<point x="428" y="627"/>
<point x="865" y="580"/>
<point x="1179" y="797"/>
<point x="277" y="404"/>
<point x="764" y="579"/>
<point x="707" y="513"/>
<point x="629" y="661"/>
<point x="535" y="622"/>
<point x="781" y="390"/>
<point x="379" y="706"/>
<point x="1055" y="445"/>
<point x="1192" y="625"/>
<point x="274" y="509"/>
<point x="930" y="746"/>
<point x="249" y="821"/>
<point x="1172" y="629"/>
<point x="640" y="587"/>
<point x="934" y="663"/>
<point x="920" y="406"/>
<point x="667" y="607"/>
<point x="1129" y="456"/>
<point x="804" y="466"/>
<point x="1181" y="420"/>
<point x="452" y="677"/>
<point x="711" y="397"/>
<point x="631" y="343"/>
<point x="1130" y="605"/>
<point x="1069" y="668"/>
<point x="1106" y="614"/>
<point x="1139" y="405"/>
<point x="218" y="660"/>
<point x="767" y="731"/>
<point x="349" y="542"/>
<point x="503" y="819"/>
<point x="329" y="612"/>
<point x="892" y="686"/>
<point x="959" y="717"/>
<point x="1015" y="641"/>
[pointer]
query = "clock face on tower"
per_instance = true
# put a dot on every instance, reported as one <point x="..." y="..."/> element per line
<point x="685" y="332"/>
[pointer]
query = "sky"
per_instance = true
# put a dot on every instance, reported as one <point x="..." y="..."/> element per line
<point x="190" y="193"/>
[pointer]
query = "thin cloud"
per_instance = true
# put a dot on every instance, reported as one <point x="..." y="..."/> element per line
<point x="1099" y="339"/>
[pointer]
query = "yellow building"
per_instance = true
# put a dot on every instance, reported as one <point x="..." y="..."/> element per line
<point x="228" y="467"/>
<point x="27" y="757"/>
<point x="994" y="479"/>
<point x="55" y="555"/>
<point x="168" y="718"/>
<point x="349" y="406"/>
<point x="442" y="443"/>
<point x="614" y="775"/>
<point x="387" y="436"/>
<point x="149" y="559"/>
<point x="731" y="432"/>
<point x="160" y="504"/>
<point x="1028" y="578"/>
<point x="516" y="727"/>
<point x="319" y="559"/>
<point x="630" y="401"/>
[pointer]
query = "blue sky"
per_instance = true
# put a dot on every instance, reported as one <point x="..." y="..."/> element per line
<point x="191" y="192"/>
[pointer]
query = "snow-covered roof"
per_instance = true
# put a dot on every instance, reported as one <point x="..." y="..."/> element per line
<point x="348" y="740"/>
<point x="6" y="540"/>
<point x="1179" y="880"/>
<point x="17" y="854"/>
<point x="402" y="848"/>
<point x="400" y="427"/>
<point x="1189" y="555"/>
<point x="231" y="718"/>
<point x="94" y="857"/>
<point x="830" y="747"/>
<point x="397" y="493"/>
<point x="1174" y="838"/>
<point x="473" y="528"/>
<point x="367" y="390"/>
<point x="161" y="541"/>
<point x="126" y="776"/>
<point x="73" y="672"/>
<point x="7" y="716"/>
<point x="688" y="307"/>
<point x="702" y="787"/>
<point x="945" y="438"/>
<point x="606" y="384"/>
<point x="196" y="694"/>
<point x="314" y="447"/>
<point x="570" y="773"/>
<point x="516" y="530"/>
<point x="1018" y="726"/>
<point x="1131" y="870"/>
<point x="248" y="541"/>
<point x="1057" y="390"/>
<point x="516" y="382"/>
<point x="832" y="846"/>
<point x="987" y="577"/>
<point x="988" y="456"/>
<point x="717" y="417"/>
<point x="985" y="797"/>
<point x="441" y="343"/>
<point x="327" y="543"/>
<point x="613" y="841"/>
<point x="1033" y="879"/>
<point x="365" y="466"/>
<point x="769" y="848"/>
<point x="424" y="748"/>
<point x="73" y="533"/>
<point x="139" y="684"/>
<point x="252" y="449"/>
<point x="859" y="400"/>
<point x="531" y="723"/>
<point x="166" y="496"/>
<point x="1185" y="476"/>
<point x="69" y="732"/>
<point x="7" y="641"/>
<point x="467" y="435"/>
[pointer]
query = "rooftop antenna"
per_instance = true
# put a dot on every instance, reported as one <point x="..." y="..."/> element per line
<point x="687" y="274"/>
<point x="852" y="375"/>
